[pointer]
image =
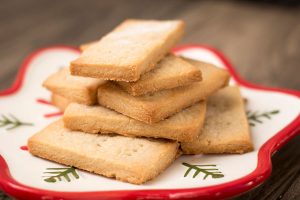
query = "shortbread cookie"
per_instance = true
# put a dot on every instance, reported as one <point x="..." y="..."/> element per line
<point x="171" y="72"/>
<point x="133" y="160"/>
<point x="184" y="126"/>
<point x="59" y="101"/>
<point x="74" y="88"/>
<point x="226" y="128"/>
<point x="162" y="104"/>
<point x="131" y="49"/>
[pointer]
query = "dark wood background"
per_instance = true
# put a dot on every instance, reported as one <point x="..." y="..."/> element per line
<point x="261" y="39"/>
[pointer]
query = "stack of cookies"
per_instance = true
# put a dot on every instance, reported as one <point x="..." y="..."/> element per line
<point x="131" y="107"/>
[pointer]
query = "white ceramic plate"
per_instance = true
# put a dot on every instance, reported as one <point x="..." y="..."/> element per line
<point x="273" y="115"/>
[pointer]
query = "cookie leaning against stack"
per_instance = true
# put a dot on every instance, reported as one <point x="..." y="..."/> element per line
<point x="226" y="129"/>
<point x="154" y="102"/>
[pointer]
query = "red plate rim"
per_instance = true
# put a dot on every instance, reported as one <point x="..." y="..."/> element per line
<point x="220" y="191"/>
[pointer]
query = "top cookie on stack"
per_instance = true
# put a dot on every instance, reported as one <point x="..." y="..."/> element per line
<point x="130" y="50"/>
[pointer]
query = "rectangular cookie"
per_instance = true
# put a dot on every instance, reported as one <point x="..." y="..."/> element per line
<point x="226" y="128"/>
<point x="59" y="101"/>
<point x="133" y="160"/>
<point x="183" y="126"/>
<point x="131" y="49"/>
<point x="170" y="72"/>
<point x="162" y="104"/>
<point x="74" y="88"/>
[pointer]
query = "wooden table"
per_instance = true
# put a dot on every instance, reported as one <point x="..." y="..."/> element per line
<point x="261" y="40"/>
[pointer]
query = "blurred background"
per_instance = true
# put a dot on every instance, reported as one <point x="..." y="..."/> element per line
<point x="261" y="38"/>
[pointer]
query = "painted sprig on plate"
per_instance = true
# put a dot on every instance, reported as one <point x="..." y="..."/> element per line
<point x="57" y="174"/>
<point x="255" y="117"/>
<point x="11" y="122"/>
<point x="206" y="170"/>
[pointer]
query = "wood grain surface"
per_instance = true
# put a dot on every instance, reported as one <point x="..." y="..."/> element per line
<point x="262" y="40"/>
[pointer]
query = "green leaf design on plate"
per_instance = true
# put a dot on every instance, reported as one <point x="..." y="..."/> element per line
<point x="11" y="122"/>
<point x="56" y="174"/>
<point x="257" y="118"/>
<point x="208" y="170"/>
